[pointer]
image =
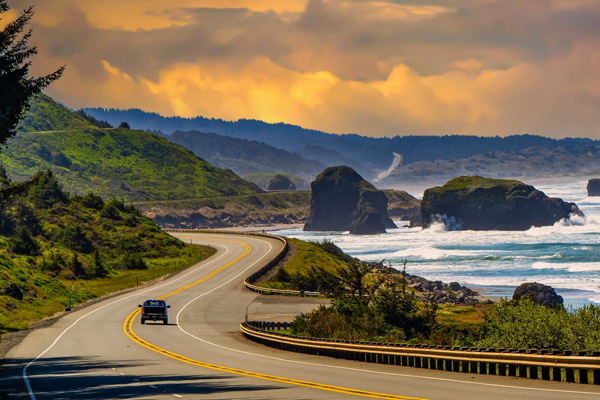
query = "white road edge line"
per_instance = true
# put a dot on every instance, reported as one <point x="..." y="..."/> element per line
<point x="26" y="379"/>
<point x="352" y="369"/>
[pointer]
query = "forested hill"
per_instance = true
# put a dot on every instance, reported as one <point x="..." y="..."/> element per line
<point x="246" y="156"/>
<point x="125" y="163"/>
<point x="373" y="153"/>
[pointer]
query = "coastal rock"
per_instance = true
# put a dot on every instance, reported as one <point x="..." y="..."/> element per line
<point x="476" y="203"/>
<point x="280" y="182"/>
<point x="401" y="205"/>
<point x="593" y="187"/>
<point x="342" y="200"/>
<point x="13" y="291"/>
<point x="541" y="294"/>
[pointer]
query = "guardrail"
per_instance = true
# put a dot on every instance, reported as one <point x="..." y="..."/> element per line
<point x="547" y="365"/>
<point x="249" y="281"/>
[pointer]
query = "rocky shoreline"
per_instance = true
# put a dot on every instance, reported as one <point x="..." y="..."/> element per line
<point x="440" y="292"/>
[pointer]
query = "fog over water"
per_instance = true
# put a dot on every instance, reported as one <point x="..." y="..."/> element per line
<point x="565" y="256"/>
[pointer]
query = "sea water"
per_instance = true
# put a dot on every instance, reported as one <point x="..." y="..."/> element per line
<point x="565" y="255"/>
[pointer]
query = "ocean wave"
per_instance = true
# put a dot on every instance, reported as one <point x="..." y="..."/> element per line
<point x="441" y="223"/>
<point x="570" y="267"/>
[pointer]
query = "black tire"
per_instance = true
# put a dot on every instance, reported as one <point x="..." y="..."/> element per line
<point x="143" y="321"/>
<point x="166" y="321"/>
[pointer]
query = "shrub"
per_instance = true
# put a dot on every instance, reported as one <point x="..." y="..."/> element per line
<point x="133" y="262"/>
<point x="47" y="191"/>
<point x="92" y="201"/>
<point x="74" y="238"/>
<point x="24" y="243"/>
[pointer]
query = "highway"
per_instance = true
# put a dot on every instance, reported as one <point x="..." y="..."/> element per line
<point x="103" y="352"/>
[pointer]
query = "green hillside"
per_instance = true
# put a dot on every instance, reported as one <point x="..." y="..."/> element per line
<point x="58" y="249"/>
<point x="246" y="156"/>
<point x="128" y="164"/>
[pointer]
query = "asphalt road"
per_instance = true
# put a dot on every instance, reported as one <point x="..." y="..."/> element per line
<point x="103" y="352"/>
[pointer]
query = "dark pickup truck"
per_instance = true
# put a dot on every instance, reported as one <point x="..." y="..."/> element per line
<point x="155" y="310"/>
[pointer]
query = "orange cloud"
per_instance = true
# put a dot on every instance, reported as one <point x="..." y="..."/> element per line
<point x="369" y="67"/>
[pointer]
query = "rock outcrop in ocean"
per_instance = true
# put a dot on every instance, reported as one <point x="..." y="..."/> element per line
<point x="539" y="293"/>
<point x="343" y="201"/>
<point x="593" y="187"/>
<point x="476" y="203"/>
<point x="280" y="182"/>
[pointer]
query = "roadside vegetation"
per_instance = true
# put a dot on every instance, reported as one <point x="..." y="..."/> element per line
<point x="371" y="302"/>
<point x="58" y="249"/>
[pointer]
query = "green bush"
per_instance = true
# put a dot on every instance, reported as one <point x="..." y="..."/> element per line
<point x="526" y="324"/>
<point x="133" y="262"/>
<point x="24" y="243"/>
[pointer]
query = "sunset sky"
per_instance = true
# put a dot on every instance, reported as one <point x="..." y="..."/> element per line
<point x="377" y="68"/>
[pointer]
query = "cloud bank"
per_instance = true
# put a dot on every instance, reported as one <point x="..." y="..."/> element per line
<point x="378" y="68"/>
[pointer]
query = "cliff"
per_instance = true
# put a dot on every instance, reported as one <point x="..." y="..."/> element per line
<point x="593" y="187"/>
<point x="342" y="200"/>
<point x="476" y="203"/>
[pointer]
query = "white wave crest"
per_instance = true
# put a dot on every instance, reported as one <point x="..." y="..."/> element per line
<point x="570" y="267"/>
<point x="572" y="220"/>
<point x="441" y="223"/>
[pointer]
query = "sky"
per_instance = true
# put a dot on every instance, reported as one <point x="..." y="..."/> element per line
<point x="376" y="68"/>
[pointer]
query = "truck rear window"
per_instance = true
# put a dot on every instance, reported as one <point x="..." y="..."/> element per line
<point x="158" y="303"/>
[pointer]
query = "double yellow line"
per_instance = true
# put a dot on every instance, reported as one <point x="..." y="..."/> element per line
<point x="128" y="328"/>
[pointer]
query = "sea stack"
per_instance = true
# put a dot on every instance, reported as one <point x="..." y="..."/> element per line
<point x="539" y="293"/>
<point x="476" y="203"/>
<point x="280" y="182"/>
<point x="593" y="187"/>
<point x="343" y="201"/>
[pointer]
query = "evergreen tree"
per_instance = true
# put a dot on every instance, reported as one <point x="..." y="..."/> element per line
<point x="76" y="266"/>
<point x="47" y="191"/>
<point x="17" y="88"/>
<point x="5" y="181"/>
<point x="100" y="270"/>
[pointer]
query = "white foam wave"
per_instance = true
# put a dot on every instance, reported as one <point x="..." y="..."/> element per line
<point x="440" y="223"/>
<point x="573" y="220"/>
<point x="570" y="267"/>
<point x="433" y="253"/>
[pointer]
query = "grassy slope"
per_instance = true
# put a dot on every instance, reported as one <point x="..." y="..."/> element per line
<point x="45" y="274"/>
<point x="307" y="255"/>
<point x="48" y="295"/>
<point x="129" y="164"/>
<point x="466" y="185"/>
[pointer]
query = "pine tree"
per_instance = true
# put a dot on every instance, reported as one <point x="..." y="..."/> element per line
<point x="100" y="270"/>
<point x="76" y="266"/>
<point x="17" y="88"/>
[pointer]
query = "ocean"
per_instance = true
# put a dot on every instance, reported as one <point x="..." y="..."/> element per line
<point x="565" y="256"/>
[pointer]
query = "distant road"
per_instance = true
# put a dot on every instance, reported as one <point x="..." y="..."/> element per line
<point x="103" y="352"/>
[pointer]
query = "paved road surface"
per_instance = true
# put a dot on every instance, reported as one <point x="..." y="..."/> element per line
<point x="103" y="352"/>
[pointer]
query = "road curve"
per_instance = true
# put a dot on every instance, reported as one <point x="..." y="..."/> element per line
<point x="103" y="352"/>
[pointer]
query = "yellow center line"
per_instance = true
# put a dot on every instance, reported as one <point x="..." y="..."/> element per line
<point x="128" y="328"/>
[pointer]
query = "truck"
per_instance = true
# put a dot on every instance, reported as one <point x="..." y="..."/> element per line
<point x="155" y="310"/>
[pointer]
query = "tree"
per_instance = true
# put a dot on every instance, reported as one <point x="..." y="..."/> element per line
<point x="17" y="88"/>
<point x="76" y="266"/>
<point x="124" y="125"/>
<point x="100" y="270"/>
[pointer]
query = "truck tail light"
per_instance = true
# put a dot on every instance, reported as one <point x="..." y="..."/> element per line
<point x="143" y="310"/>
